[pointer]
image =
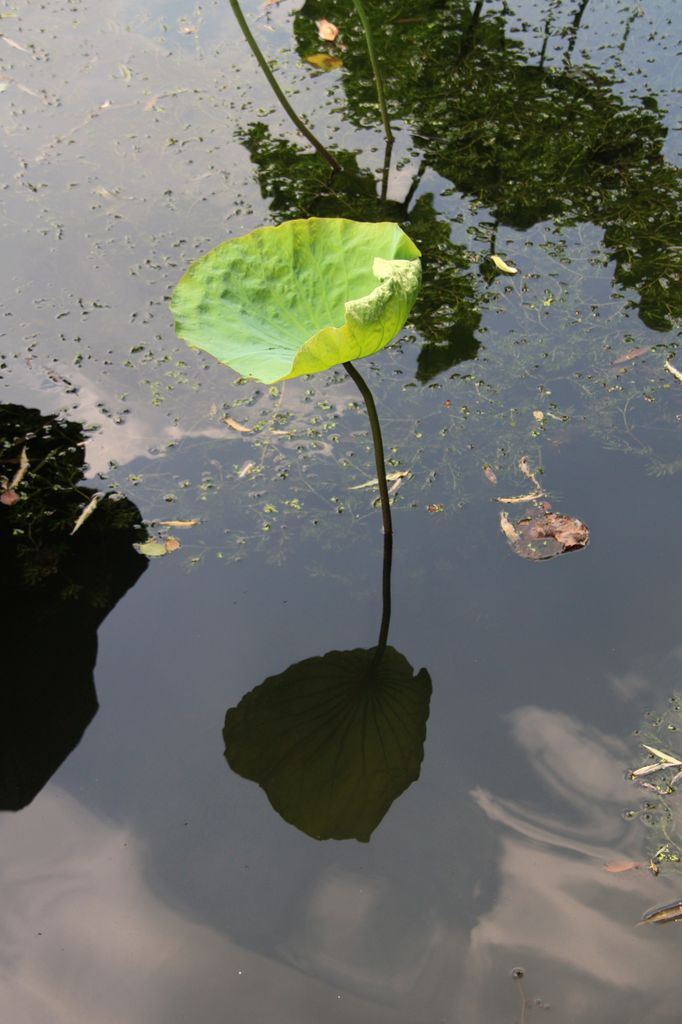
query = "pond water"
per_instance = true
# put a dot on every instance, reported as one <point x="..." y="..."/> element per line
<point x="142" y="879"/>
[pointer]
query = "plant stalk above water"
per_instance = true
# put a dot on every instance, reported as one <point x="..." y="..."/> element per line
<point x="385" y="508"/>
<point x="267" y="71"/>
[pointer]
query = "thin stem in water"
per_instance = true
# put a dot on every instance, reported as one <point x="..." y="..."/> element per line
<point x="367" y="29"/>
<point x="267" y="71"/>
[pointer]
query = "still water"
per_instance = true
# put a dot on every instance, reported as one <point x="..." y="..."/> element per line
<point x="142" y="879"/>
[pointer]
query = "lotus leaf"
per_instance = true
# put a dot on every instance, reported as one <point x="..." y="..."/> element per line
<point x="333" y="740"/>
<point x="299" y="298"/>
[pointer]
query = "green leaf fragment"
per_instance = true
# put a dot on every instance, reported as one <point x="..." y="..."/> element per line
<point x="299" y="298"/>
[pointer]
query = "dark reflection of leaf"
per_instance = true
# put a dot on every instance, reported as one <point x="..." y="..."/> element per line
<point x="60" y="587"/>
<point x="330" y="742"/>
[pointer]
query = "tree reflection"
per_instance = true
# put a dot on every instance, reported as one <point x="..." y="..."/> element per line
<point x="61" y="587"/>
<point x="531" y="142"/>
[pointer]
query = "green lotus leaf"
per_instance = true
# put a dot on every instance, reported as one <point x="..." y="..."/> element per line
<point x="299" y="298"/>
<point x="333" y="740"/>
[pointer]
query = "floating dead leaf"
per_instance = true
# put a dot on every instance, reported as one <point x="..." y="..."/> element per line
<point x="179" y="523"/>
<point x="672" y="369"/>
<point x="524" y="466"/>
<point x="653" y="867"/>
<point x="649" y="769"/>
<point x="675" y="779"/>
<point x="435" y="508"/>
<point x="9" y="497"/>
<point x="325" y="61"/>
<point x="634" y="353"/>
<point x="187" y="29"/>
<point x="172" y="544"/>
<point x="538" y="415"/>
<point x="668" y="758"/>
<point x="489" y="475"/>
<point x="398" y="475"/>
<point x="615" y="867"/>
<point x="24" y="465"/>
<point x="667" y="914"/>
<point x="236" y="426"/>
<point x="541" y="535"/>
<point x="87" y="511"/>
<point x="14" y="44"/>
<point x="501" y="265"/>
<point x="246" y="468"/>
<point x="327" y="31"/>
<point x="151" y="548"/>
<point x="508" y="529"/>
<point x="517" y="499"/>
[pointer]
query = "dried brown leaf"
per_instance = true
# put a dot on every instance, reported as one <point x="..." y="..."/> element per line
<point x="22" y="471"/>
<point x="508" y="529"/>
<point x="634" y="353"/>
<point x="668" y="758"/>
<point x="172" y="544"/>
<point x="9" y="497"/>
<point x="517" y="499"/>
<point x="489" y="475"/>
<point x="180" y="523"/>
<point x="236" y="426"/>
<point x="14" y="44"/>
<point x="615" y="867"/>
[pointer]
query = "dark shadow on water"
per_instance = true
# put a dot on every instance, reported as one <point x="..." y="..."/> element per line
<point x="58" y="588"/>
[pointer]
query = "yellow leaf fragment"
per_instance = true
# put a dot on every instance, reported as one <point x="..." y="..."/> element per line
<point x="125" y="72"/>
<point x="538" y="416"/>
<point x="501" y="265"/>
<point x="245" y="470"/>
<point x="172" y="544"/>
<point x="236" y="426"/>
<point x="672" y="369"/>
<point x="327" y="31"/>
<point x="180" y="523"/>
<point x="325" y="61"/>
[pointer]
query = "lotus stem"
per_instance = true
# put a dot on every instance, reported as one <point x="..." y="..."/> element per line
<point x="367" y="29"/>
<point x="385" y="509"/>
<point x="267" y="71"/>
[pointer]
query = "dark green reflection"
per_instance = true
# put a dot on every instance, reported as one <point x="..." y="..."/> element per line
<point x="529" y="141"/>
<point x="333" y="740"/>
<point x="58" y="589"/>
